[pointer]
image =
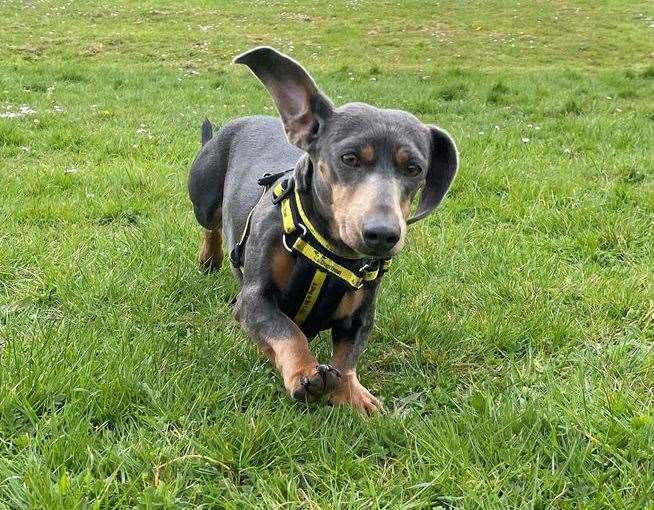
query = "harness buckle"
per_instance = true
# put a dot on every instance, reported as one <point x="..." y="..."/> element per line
<point x="267" y="179"/>
<point x="284" y="241"/>
<point x="286" y="188"/>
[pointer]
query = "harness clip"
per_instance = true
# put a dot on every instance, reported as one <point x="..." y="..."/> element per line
<point x="280" y="194"/>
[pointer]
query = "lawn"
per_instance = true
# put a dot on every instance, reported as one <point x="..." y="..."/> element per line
<point x="514" y="342"/>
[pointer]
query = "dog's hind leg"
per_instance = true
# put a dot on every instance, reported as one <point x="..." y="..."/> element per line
<point x="210" y="257"/>
<point x="205" y="185"/>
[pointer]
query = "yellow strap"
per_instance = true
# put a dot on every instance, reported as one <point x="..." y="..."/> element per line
<point x="287" y="216"/>
<point x="326" y="263"/>
<point x="312" y="295"/>
<point x="311" y="253"/>
<point x="370" y="275"/>
<point x="309" y="225"/>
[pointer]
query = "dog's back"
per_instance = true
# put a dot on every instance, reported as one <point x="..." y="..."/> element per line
<point x="223" y="179"/>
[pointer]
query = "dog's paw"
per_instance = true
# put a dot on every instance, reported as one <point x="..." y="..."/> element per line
<point x="319" y="382"/>
<point x="351" y="392"/>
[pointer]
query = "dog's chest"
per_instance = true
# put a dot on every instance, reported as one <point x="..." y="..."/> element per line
<point x="282" y="263"/>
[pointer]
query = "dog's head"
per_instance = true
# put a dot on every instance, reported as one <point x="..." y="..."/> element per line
<point x="367" y="163"/>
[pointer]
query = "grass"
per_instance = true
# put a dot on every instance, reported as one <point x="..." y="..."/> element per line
<point x="513" y="346"/>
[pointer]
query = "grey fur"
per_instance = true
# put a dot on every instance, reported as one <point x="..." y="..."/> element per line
<point x="223" y="184"/>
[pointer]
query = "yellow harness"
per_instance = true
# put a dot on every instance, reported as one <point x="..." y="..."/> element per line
<point x="320" y="278"/>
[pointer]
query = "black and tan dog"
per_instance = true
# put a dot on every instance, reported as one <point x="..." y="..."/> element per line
<point x="310" y="251"/>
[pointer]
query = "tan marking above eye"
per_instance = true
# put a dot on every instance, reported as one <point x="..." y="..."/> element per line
<point x="368" y="153"/>
<point x="402" y="156"/>
<point x="325" y="171"/>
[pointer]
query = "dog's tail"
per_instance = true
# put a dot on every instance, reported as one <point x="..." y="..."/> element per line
<point x="207" y="131"/>
<point x="206" y="180"/>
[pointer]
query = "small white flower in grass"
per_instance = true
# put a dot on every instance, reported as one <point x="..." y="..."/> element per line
<point x="141" y="131"/>
<point x="525" y="139"/>
<point x="22" y="112"/>
<point x="567" y="150"/>
<point x="71" y="170"/>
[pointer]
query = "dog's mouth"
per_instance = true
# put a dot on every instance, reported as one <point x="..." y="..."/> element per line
<point x="366" y="252"/>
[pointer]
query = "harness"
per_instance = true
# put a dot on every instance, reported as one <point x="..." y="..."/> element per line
<point x="320" y="278"/>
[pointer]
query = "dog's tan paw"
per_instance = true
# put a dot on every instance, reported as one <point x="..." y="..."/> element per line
<point x="315" y="383"/>
<point x="351" y="392"/>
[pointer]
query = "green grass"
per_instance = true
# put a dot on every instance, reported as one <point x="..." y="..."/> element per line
<point x="514" y="341"/>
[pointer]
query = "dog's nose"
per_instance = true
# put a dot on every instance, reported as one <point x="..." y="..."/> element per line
<point x="380" y="235"/>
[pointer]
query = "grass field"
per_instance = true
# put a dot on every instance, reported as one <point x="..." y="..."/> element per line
<point x="514" y="341"/>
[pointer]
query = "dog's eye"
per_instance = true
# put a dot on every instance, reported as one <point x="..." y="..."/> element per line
<point x="413" y="169"/>
<point x="350" y="159"/>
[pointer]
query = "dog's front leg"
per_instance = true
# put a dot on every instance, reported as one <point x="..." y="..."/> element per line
<point x="285" y="345"/>
<point x="349" y="338"/>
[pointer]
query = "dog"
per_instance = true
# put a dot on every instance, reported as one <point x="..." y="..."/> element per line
<point x="319" y="229"/>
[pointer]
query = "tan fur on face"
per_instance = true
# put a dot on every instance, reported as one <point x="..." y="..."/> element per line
<point x="351" y="205"/>
<point x="402" y="157"/>
<point x="368" y="154"/>
<point x="325" y="170"/>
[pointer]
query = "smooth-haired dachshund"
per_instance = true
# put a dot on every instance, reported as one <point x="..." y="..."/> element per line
<point x="355" y="170"/>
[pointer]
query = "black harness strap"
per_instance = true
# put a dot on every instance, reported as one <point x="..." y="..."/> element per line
<point x="237" y="253"/>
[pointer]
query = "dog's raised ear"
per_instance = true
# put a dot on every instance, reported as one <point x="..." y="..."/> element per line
<point x="303" y="107"/>
<point x="443" y="164"/>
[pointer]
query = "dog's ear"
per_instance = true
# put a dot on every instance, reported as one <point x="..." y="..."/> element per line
<point x="443" y="164"/>
<point x="303" y="107"/>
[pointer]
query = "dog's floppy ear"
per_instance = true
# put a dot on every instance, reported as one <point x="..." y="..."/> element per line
<point x="443" y="164"/>
<point x="303" y="107"/>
